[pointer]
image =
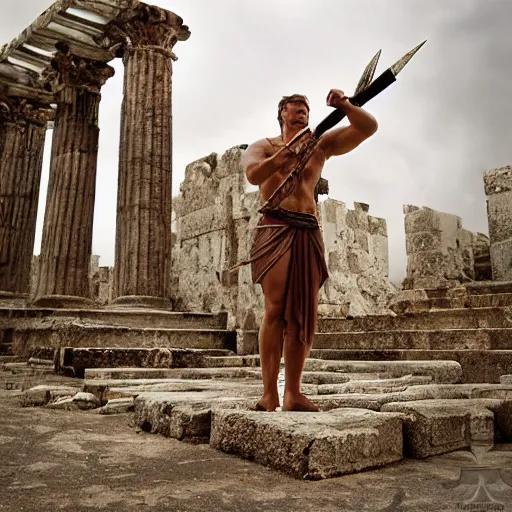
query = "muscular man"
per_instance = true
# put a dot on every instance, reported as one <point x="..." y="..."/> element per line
<point x="287" y="255"/>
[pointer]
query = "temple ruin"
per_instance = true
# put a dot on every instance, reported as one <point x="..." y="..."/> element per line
<point x="168" y="335"/>
<point x="55" y="70"/>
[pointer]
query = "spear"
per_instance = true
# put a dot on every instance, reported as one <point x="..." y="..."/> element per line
<point x="365" y="90"/>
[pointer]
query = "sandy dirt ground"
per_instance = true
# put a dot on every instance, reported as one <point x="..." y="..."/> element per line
<point x="80" y="461"/>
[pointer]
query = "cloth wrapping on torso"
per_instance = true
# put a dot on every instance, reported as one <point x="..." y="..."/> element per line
<point x="278" y="232"/>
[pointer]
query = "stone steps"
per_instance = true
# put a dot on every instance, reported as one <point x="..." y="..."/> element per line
<point x="491" y="300"/>
<point x="477" y="365"/>
<point x="454" y="339"/>
<point x="434" y="419"/>
<point x="74" y="361"/>
<point x="489" y="287"/>
<point x="28" y="340"/>
<point x="316" y="377"/>
<point x="449" y="372"/>
<point x="122" y="317"/>
<point x="460" y="318"/>
<point x="106" y="390"/>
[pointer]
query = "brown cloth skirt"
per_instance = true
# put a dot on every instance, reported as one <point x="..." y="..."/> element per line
<point x="280" y="231"/>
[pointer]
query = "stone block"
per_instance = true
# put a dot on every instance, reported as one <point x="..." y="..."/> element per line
<point x="361" y="207"/>
<point x="408" y="300"/>
<point x="433" y="428"/>
<point x="380" y="253"/>
<point x="86" y="401"/>
<point x="43" y="394"/>
<point x="359" y="261"/>
<point x="423" y="241"/>
<point x="185" y="416"/>
<point x="311" y="445"/>
<point x="501" y="261"/>
<point x="362" y="239"/>
<point x="203" y="221"/>
<point x="78" y="359"/>
<point x="377" y="226"/>
<point x="190" y="424"/>
<point x="117" y="406"/>
<point x="63" y="403"/>
<point x="499" y="216"/>
<point x="425" y="219"/>
<point x="330" y="208"/>
<point x="409" y="208"/>
<point x="357" y="219"/>
<point x="449" y="372"/>
<point x="498" y="180"/>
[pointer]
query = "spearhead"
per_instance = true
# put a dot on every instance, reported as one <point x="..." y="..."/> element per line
<point x="367" y="76"/>
<point x="399" y="65"/>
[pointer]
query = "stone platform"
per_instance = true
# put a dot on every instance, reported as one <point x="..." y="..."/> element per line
<point x="372" y="413"/>
<point x="26" y="331"/>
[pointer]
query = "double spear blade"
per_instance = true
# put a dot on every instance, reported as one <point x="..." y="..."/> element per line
<point x="367" y="88"/>
<point x="369" y="72"/>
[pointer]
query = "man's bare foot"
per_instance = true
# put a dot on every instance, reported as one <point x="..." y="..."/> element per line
<point x="299" y="403"/>
<point x="267" y="403"/>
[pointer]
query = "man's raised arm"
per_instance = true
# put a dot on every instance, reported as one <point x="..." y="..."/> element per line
<point x="259" y="166"/>
<point x="342" y="140"/>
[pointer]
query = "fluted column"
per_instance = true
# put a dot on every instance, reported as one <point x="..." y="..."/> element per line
<point x="145" y="37"/>
<point x="22" y="136"/>
<point x="67" y="232"/>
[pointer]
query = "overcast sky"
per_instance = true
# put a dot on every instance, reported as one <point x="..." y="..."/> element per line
<point x="442" y="124"/>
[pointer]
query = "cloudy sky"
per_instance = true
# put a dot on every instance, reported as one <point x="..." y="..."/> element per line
<point x="445" y="122"/>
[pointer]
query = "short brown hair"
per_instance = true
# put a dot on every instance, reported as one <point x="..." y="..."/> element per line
<point x="294" y="98"/>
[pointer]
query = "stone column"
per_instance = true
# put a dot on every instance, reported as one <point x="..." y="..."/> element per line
<point x="498" y="189"/>
<point x="22" y="136"/>
<point x="67" y="232"/>
<point x="145" y="38"/>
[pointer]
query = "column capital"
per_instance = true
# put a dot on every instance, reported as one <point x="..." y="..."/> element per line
<point x="20" y="111"/>
<point x="145" y="26"/>
<point x="67" y="70"/>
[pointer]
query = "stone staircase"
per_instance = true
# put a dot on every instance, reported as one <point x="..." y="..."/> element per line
<point x="472" y="326"/>
<point x="32" y="331"/>
<point x="428" y="381"/>
<point x="372" y="413"/>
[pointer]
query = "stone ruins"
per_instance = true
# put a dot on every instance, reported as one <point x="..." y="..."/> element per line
<point x="168" y="335"/>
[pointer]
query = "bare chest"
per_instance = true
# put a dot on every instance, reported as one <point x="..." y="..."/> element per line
<point x="309" y="176"/>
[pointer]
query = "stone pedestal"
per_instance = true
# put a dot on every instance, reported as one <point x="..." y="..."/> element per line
<point x="145" y="37"/>
<point x="498" y="188"/>
<point x="22" y="135"/>
<point x="67" y="233"/>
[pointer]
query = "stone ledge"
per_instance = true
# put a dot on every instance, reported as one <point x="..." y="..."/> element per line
<point x="434" y="427"/>
<point x="184" y="416"/>
<point x="449" y="372"/>
<point x="310" y="445"/>
<point x="76" y="360"/>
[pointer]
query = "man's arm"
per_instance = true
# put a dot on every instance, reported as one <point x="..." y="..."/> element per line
<point x="342" y="140"/>
<point x="259" y="166"/>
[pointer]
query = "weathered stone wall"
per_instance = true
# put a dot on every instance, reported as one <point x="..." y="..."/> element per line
<point x="356" y="249"/>
<point x="440" y="252"/>
<point x="498" y="189"/>
<point x="215" y="217"/>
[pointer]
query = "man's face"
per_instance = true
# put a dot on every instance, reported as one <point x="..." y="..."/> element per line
<point x="295" y="114"/>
